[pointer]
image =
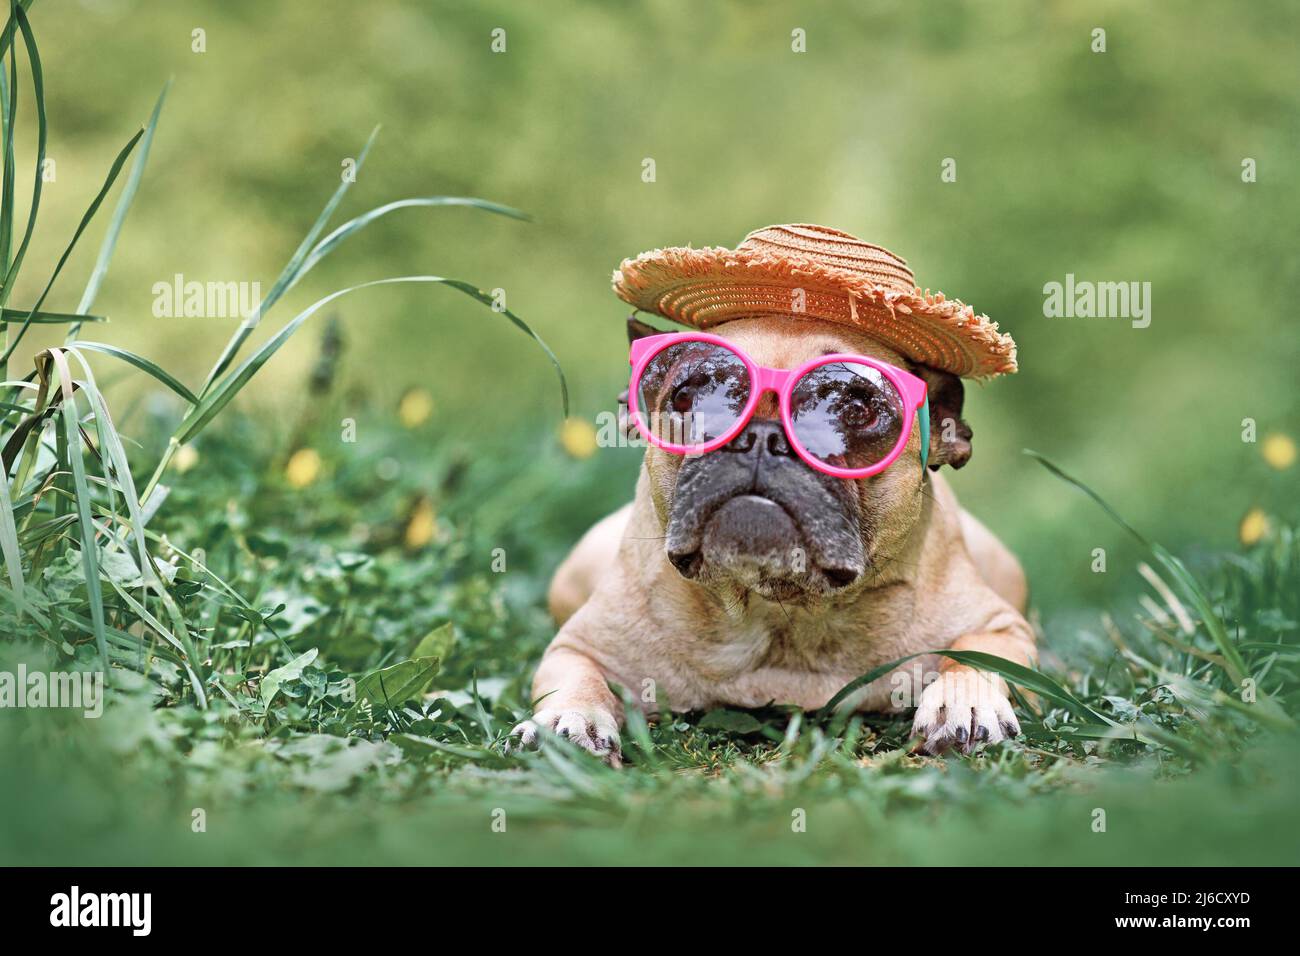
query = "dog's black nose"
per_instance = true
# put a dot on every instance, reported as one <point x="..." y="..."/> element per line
<point x="687" y="563"/>
<point x="840" y="577"/>
<point x="763" y="436"/>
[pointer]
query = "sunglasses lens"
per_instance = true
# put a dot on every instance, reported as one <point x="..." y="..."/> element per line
<point x="693" y="392"/>
<point x="846" y="414"/>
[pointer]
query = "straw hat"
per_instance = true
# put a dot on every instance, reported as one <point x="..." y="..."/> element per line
<point x="814" y="272"/>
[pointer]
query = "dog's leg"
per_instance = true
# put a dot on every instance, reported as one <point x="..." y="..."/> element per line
<point x="967" y="706"/>
<point x="575" y="702"/>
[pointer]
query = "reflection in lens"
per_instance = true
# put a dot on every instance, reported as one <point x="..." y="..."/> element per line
<point x="846" y="414"/>
<point x="693" y="392"/>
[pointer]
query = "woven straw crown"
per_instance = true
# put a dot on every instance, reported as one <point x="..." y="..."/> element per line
<point x="814" y="272"/>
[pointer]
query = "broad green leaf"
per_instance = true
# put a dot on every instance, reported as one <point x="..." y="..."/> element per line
<point x="437" y="643"/>
<point x="277" y="678"/>
<point x="399" y="682"/>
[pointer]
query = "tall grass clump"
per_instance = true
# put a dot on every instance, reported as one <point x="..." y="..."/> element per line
<point x="83" y="571"/>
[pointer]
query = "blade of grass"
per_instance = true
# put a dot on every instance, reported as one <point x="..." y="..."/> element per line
<point x="1098" y="499"/>
<point x="289" y="275"/>
<point x="310" y="252"/>
<point x="31" y="444"/>
<point x="111" y="444"/>
<point x="38" y="94"/>
<point x="204" y="569"/>
<point x="480" y="712"/>
<point x="150" y="621"/>
<point x="9" y="540"/>
<point x="227" y="388"/>
<point x="81" y="227"/>
<point x="119" y="213"/>
<point x="86" y="528"/>
<point x="24" y="605"/>
<point x="153" y="369"/>
<point x="327" y="245"/>
<point x="1195" y="594"/>
<point x="584" y="773"/>
<point x="9" y="88"/>
<point x="438" y="745"/>
<point x="1032" y="680"/>
<point x="1192" y="590"/>
<point x="47" y="318"/>
<point x="1029" y="679"/>
<point x="638" y="731"/>
<point x="870" y="677"/>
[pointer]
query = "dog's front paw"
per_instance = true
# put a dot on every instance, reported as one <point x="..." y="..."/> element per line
<point x="595" y="731"/>
<point x="964" y="707"/>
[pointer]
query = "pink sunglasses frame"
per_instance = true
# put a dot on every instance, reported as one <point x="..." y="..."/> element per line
<point x="781" y="381"/>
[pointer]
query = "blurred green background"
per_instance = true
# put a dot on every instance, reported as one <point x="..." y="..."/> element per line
<point x="1117" y="166"/>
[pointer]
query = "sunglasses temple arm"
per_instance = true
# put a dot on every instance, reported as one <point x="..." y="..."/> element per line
<point x="923" y="419"/>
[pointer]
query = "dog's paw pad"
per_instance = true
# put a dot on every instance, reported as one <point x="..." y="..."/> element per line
<point x="962" y="709"/>
<point x="594" y="731"/>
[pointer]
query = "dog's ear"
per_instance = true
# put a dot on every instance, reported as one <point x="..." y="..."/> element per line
<point x="949" y="434"/>
<point x="636" y="329"/>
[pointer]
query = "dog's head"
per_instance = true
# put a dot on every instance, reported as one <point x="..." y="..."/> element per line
<point x="753" y="516"/>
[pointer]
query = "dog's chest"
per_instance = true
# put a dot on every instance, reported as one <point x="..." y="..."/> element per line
<point x="759" y="662"/>
<point x="789" y="641"/>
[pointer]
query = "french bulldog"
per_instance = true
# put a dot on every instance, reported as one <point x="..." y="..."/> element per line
<point x="743" y="577"/>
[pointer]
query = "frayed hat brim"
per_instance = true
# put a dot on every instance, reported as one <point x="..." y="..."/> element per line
<point x="705" y="287"/>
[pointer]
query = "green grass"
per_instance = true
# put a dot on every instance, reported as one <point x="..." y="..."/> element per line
<point x="311" y="776"/>
<point x="310" y="638"/>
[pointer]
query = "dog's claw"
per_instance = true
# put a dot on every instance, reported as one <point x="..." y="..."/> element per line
<point x="594" y="731"/>
<point x="961" y="709"/>
<point x="523" y="737"/>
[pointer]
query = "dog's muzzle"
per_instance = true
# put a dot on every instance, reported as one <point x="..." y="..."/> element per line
<point x="753" y="511"/>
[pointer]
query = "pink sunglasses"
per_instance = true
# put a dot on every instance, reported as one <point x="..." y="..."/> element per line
<point x="845" y="415"/>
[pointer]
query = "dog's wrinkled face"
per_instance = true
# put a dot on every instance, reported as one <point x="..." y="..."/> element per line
<point x="752" y="516"/>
